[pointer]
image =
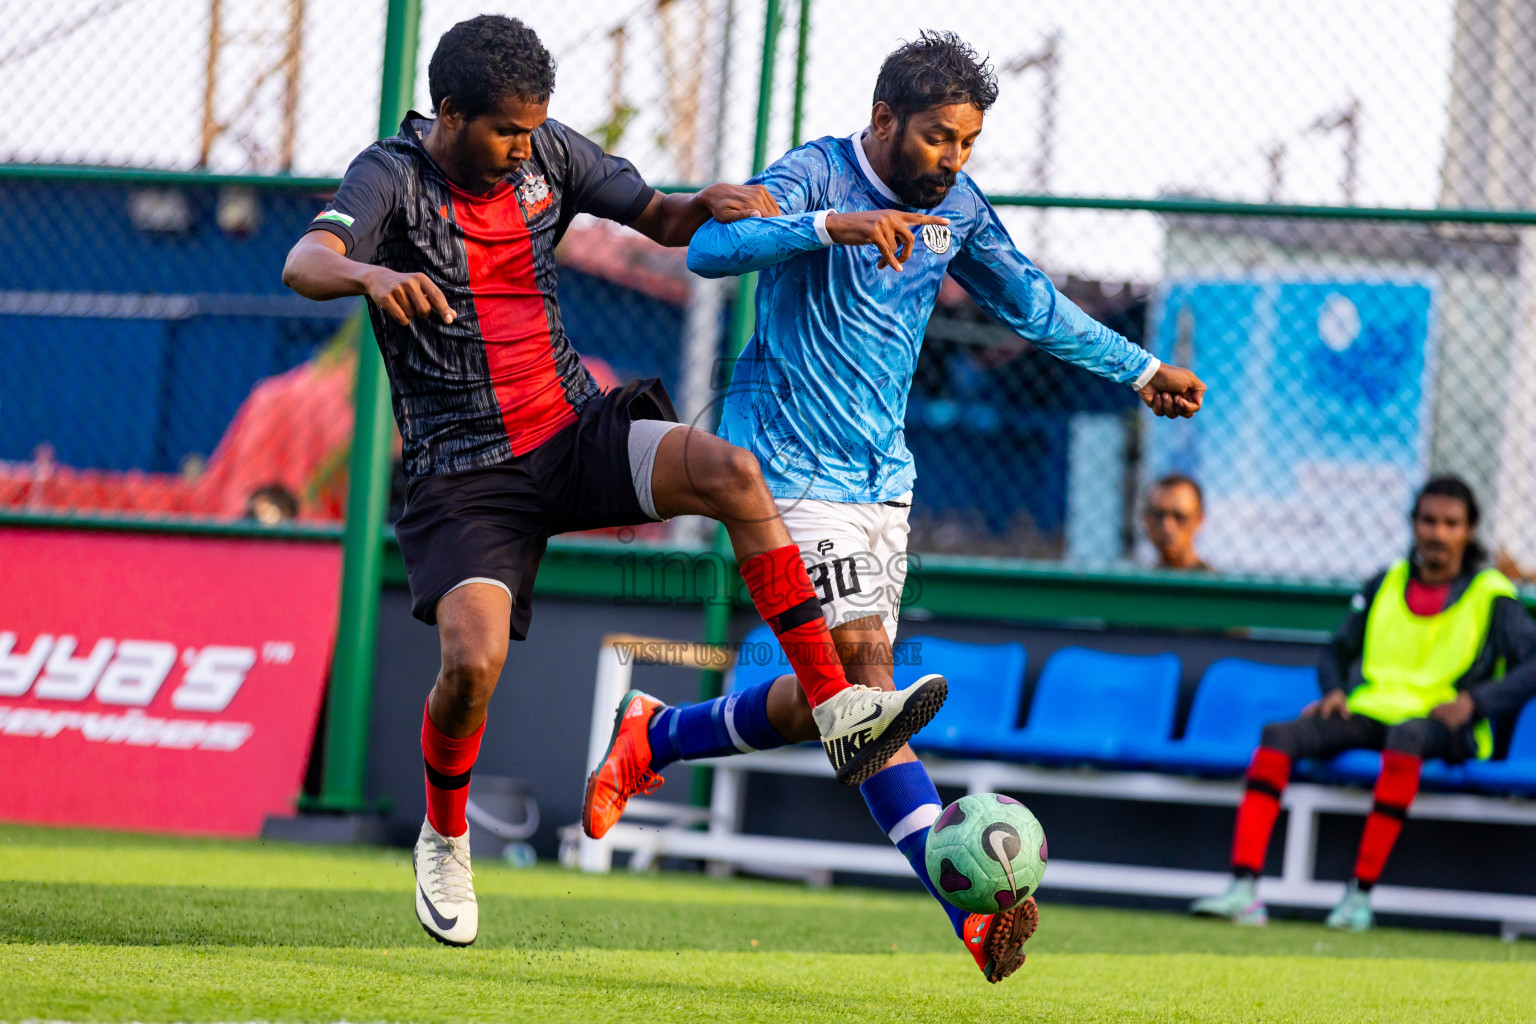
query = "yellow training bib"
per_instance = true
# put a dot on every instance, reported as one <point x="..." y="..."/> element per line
<point x="1412" y="662"/>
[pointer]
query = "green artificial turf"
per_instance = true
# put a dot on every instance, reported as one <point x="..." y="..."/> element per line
<point x="111" y="927"/>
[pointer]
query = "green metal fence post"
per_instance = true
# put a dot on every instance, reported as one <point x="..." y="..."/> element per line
<point x="717" y="613"/>
<point x="350" y="700"/>
<point x="772" y="21"/>
<point x="802" y="54"/>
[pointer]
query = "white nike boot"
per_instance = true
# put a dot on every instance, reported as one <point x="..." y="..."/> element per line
<point x="445" y="890"/>
<point x="862" y="727"/>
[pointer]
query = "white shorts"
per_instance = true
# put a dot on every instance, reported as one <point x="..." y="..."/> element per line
<point x="855" y="553"/>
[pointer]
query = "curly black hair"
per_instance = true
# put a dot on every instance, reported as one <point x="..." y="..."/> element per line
<point x="482" y="60"/>
<point x="935" y="70"/>
<point x="1448" y="485"/>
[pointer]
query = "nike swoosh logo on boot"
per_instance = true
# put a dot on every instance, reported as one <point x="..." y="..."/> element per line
<point x="870" y="717"/>
<point x="445" y="923"/>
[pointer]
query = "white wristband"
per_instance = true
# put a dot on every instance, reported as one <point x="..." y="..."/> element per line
<point x="819" y="222"/>
<point x="1147" y="374"/>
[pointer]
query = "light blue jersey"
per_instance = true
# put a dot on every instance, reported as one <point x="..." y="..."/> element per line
<point x="820" y="394"/>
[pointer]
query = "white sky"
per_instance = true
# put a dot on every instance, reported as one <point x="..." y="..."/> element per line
<point x="1154" y="95"/>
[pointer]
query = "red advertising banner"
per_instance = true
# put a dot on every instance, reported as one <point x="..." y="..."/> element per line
<point x="156" y="682"/>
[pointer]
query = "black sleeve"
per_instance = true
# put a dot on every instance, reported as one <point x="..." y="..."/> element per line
<point x="601" y="184"/>
<point x="1513" y="634"/>
<point x="364" y="203"/>
<point x="1338" y="667"/>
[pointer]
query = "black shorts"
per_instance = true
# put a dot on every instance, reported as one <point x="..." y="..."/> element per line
<point x="492" y="523"/>
<point x="1323" y="738"/>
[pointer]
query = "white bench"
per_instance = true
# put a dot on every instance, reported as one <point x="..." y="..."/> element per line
<point x="654" y="829"/>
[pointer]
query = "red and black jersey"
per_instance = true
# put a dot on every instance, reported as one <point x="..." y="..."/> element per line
<point x="502" y="378"/>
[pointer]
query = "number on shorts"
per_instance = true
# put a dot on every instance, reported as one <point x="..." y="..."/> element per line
<point x="824" y="575"/>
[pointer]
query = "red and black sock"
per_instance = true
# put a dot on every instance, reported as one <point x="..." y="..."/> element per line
<point x="1268" y="773"/>
<point x="448" y="762"/>
<point x="1396" y="787"/>
<point x="781" y="590"/>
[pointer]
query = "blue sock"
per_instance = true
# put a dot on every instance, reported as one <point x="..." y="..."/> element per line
<point x="905" y="804"/>
<point x="734" y="724"/>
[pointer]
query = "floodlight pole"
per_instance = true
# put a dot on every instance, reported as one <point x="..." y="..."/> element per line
<point x="349" y="701"/>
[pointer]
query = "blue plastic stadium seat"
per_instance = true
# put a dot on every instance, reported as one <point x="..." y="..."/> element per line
<point x="1360" y="768"/>
<point x="1517" y="772"/>
<point x="1091" y="706"/>
<point x="759" y="660"/>
<point x="986" y="683"/>
<point x="1357" y="767"/>
<point x="1439" y="775"/>
<point x="1234" y="702"/>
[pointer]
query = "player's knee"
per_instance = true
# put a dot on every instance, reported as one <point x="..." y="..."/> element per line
<point x="1410" y="737"/>
<point x="736" y="474"/>
<point x="741" y="470"/>
<point x="469" y="676"/>
<point x="1278" y="736"/>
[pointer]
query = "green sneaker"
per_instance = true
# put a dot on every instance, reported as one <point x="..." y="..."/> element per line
<point x="1240" y="904"/>
<point x="1353" y="913"/>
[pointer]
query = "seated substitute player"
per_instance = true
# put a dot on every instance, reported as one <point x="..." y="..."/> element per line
<point x="1414" y="672"/>
<point x="449" y="229"/>
<point x="850" y="274"/>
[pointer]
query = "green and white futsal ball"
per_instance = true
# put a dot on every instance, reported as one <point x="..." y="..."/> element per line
<point x="986" y="852"/>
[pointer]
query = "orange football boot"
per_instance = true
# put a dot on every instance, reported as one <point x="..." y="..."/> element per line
<point x="997" y="940"/>
<point x="625" y="771"/>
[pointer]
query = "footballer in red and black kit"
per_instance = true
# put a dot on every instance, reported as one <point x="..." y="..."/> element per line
<point x="502" y="377"/>
<point x="449" y="230"/>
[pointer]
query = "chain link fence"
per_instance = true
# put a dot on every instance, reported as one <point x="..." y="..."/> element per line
<point x="153" y="363"/>
<point x="1348" y="359"/>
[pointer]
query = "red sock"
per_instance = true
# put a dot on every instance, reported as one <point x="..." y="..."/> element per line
<point x="448" y="763"/>
<point x="1268" y="773"/>
<point x="781" y="589"/>
<point x="1396" y="787"/>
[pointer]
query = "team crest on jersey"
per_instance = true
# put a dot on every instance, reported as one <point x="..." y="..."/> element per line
<point x="535" y="193"/>
<point x="936" y="238"/>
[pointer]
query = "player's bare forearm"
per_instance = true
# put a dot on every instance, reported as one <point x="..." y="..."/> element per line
<point x="317" y="268"/>
<point x="671" y="220"/>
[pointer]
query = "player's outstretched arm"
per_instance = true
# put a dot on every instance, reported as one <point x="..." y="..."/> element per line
<point x="318" y="268"/>
<point x="722" y="250"/>
<point x="673" y="220"/>
<point x="1017" y="293"/>
<point x="719" y="250"/>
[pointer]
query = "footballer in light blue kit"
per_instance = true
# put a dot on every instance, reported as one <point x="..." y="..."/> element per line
<point x="850" y="272"/>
